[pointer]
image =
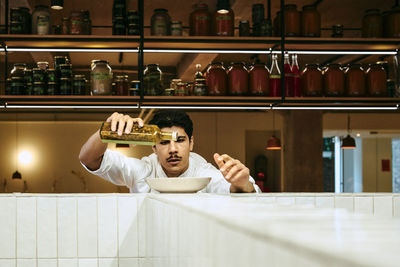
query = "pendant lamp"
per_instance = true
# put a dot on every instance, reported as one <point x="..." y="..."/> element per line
<point x="16" y="174"/>
<point x="57" y="4"/>
<point x="223" y="6"/>
<point x="348" y="142"/>
<point x="273" y="143"/>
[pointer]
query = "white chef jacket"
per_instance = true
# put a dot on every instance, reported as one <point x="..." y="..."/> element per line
<point x="132" y="172"/>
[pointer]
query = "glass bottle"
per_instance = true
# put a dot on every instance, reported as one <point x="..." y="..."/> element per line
<point x="275" y="78"/>
<point x="224" y="19"/>
<point x="160" y="22"/>
<point x="311" y="80"/>
<point x="296" y="77"/>
<point x="101" y="78"/>
<point x="198" y="74"/>
<point x="152" y="80"/>
<point x="200" y="20"/>
<point x="146" y="135"/>
<point x="310" y="21"/>
<point x="288" y="76"/>
<point x="355" y="80"/>
<point x="217" y="80"/>
<point x="259" y="79"/>
<point x="238" y="78"/>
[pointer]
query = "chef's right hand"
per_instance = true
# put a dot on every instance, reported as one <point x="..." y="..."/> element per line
<point x="124" y="122"/>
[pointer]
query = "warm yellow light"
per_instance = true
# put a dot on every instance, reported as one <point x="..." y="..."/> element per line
<point x="25" y="157"/>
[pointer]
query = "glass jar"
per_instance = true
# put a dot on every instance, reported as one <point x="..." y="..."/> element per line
<point x="101" y="78"/>
<point x="224" y="22"/>
<point x="76" y="20"/>
<point x="87" y="23"/>
<point x="216" y="79"/>
<point x="28" y="78"/>
<point x="134" y="89"/>
<point x="372" y="24"/>
<point x="244" y="28"/>
<point x="39" y="88"/>
<point x="152" y="80"/>
<point x="51" y="75"/>
<point x="44" y="65"/>
<point x="52" y="88"/>
<point x="238" y="78"/>
<point x="119" y="26"/>
<point x="200" y="20"/>
<point x="65" y="26"/>
<point x="65" y="86"/>
<point x="66" y="71"/>
<point x="392" y="23"/>
<point x="40" y="10"/>
<point x="79" y="85"/>
<point x="16" y="27"/>
<point x="334" y="80"/>
<point x="310" y="21"/>
<point x="180" y="89"/>
<point x="176" y="28"/>
<point x="200" y="87"/>
<point x="133" y="17"/>
<point x="39" y="75"/>
<point x="292" y="20"/>
<point x="355" y="80"/>
<point x="17" y="84"/>
<point x="337" y="31"/>
<point x="259" y="79"/>
<point x="376" y="80"/>
<point x="311" y="80"/>
<point x="160" y="22"/>
<point x="26" y="20"/>
<point x="121" y="85"/>
<point x="43" y="25"/>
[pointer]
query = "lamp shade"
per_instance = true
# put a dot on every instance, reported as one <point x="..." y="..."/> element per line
<point x="17" y="175"/>
<point x="273" y="143"/>
<point x="223" y="6"/>
<point x="57" y="4"/>
<point x="348" y="142"/>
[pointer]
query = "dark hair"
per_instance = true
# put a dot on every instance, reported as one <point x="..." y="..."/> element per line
<point x="173" y="117"/>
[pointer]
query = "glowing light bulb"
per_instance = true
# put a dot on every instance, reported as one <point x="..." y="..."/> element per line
<point x="25" y="157"/>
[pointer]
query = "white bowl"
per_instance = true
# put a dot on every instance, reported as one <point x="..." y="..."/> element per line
<point x="178" y="184"/>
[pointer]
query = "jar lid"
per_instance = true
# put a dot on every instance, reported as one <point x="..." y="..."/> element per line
<point x="17" y="78"/>
<point x="42" y="62"/>
<point x="66" y="65"/>
<point x="160" y="10"/>
<point x="95" y="61"/>
<point x="50" y="70"/>
<point x="19" y="65"/>
<point x="65" y="79"/>
<point x="79" y="76"/>
<point x="177" y="80"/>
<point x="38" y="83"/>
<point x="181" y="83"/>
<point x="135" y="81"/>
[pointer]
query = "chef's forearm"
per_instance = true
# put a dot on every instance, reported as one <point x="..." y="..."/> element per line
<point x="248" y="188"/>
<point x="92" y="152"/>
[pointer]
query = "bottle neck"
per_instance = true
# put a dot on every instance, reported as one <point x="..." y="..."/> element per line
<point x="274" y="68"/>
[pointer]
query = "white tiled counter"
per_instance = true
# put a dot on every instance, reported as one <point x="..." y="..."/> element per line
<point x="121" y="230"/>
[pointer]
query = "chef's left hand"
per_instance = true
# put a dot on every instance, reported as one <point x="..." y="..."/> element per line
<point x="235" y="172"/>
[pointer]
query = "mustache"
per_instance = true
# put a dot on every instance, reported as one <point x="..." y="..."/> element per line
<point x="174" y="157"/>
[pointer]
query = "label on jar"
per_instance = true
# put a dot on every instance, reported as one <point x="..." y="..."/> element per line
<point x="101" y="76"/>
<point x="160" y="27"/>
<point x="201" y="18"/>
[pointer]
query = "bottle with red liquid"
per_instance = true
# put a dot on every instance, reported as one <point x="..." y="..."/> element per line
<point x="296" y="77"/>
<point x="288" y="76"/>
<point x="275" y="78"/>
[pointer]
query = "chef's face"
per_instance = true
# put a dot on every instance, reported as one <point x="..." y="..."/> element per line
<point x="174" y="155"/>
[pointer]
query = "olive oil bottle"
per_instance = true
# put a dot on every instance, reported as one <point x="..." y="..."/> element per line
<point x="146" y="135"/>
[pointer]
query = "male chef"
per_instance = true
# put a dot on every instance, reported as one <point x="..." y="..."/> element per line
<point x="170" y="158"/>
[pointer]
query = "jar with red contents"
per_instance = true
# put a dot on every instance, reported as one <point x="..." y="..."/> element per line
<point x="76" y="20"/>
<point x="217" y="79"/>
<point x="200" y="20"/>
<point x="311" y="80"/>
<point x="334" y="80"/>
<point x="310" y="21"/>
<point x="238" y="78"/>
<point x="224" y="19"/>
<point x="355" y="80"/>
<point x="292" y="20"/>
<point x="259" y="79"/>
<point x="376" y="80"/>
<point x="372" y="24"/>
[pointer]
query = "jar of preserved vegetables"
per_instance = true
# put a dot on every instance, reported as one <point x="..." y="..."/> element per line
<point x="372" y="24"/>
<point x="76" y="20"/>
<point x="376" y="80"/>
<point x="17" y="83"/>
<point x="52" y="88"/>
<point x="16" y="27"/>
<point x="65" y="28"/>
<point x="43" y="25"/>
<point x="180" y="89"/>
<point x="200" y="87"/>
<point x="355" y="80"/>
<point x="28" y="79"/>
<point x="40" y="10"/>
<point x="39" y="75"/>
<point x="121" y="85"/>
<point x="101" y="78"/>
<point x="334" y="80"/>
<point x="65" y="86"/>
<point x="311" y="80"/>
<point x="392" y="23"/>
<point x="310" y="21"/>
<point x="39" y="88"/>
<point x="176" y="28"/>
<point x="152" y="80"/>
<point x="217" y="79"/>
<point x="119" y="26"/>
<point x="200" y="20"/>
<point x="224" y="19"/>
<point x="160" y="22"/>
<point x="66" y="71"/>
<point x="51" y="76"/>
<point x="244" y="28"/>
<point x="238" y="78"/>
<point x="44" y="65"/>
<point x="259" y="79"/>
<point x="292" y="20"/>
<point x="79" y="85"/>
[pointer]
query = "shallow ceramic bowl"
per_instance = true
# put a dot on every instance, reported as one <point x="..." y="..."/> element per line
<point x="178" y="185"/>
